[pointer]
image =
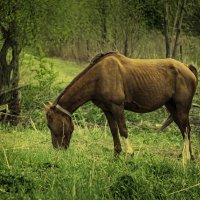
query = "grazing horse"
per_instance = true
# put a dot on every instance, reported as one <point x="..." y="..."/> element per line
<point x="114" y="82"/>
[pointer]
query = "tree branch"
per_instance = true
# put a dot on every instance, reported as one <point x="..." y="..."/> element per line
<point x="179" y="25"/>
<point x="166" y="28"/>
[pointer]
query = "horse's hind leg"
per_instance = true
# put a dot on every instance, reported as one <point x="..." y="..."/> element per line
<point x="184" y="126"/>
<point x="118" y="113"/>
<point x="190" y="146"/>
<point x="114" y="130"/>
<point x="180" y="116"/>
<point x="166" y="123"/>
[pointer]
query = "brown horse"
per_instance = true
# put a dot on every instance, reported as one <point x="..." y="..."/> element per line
<point x="114" y="82"/>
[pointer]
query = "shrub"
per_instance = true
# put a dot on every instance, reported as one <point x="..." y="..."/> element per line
<point x="40" y="91"/>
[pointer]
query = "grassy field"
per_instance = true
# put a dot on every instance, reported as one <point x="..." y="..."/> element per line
<point x="31" y="169"/>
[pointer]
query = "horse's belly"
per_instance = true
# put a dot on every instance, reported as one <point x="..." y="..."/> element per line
<point x="146" y="103"/>
<point x="140" y="108"/>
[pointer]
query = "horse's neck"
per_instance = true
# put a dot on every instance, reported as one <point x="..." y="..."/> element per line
<point x="76" y="95"/>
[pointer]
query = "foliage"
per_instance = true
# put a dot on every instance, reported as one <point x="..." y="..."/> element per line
<point x="22" y="17"/>
<point x="45" y="75"/>
<point x="192" y="20"/>
<point x="153" y="11"/>
<point x="82" y="28"/>
<point x="78" y="29"/>
<point x="39" y="92"/>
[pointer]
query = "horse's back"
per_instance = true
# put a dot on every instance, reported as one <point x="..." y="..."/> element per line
<point x="150" y="83"/>
<point x="145" y="84"/>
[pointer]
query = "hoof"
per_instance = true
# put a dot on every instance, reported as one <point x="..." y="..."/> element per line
<point x="128" y="148"/>
<point x="116" y="155"/>
<point x="130" y="154"/>
<point x="117" y="152"/>
<point x="129" y="151"/>
<point x="191" y="157"/>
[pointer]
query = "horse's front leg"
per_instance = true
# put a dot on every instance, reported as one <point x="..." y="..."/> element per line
<point x="118" y="113"/>
<point x="114" y="130"/>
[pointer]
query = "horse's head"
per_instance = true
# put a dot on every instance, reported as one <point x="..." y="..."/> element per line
<point x="60" y="125"/>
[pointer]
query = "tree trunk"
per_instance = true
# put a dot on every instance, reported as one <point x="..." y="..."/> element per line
<point x="14" y="103"/>
<point x="166" y="29"/>
<point x="9" y="73"/>
<point x="181" y="53"/>
<point x="179" y="25"/>
<point x="126" y="45"/>
<point x="104" y="28"/>
<point x="175" y="20"/>
<point x="102" y="12"/>
<point x="4" y="71"/>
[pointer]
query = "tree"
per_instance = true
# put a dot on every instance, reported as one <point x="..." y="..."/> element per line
<point x="18" y="28"/>
<point x="173" y="25"/>
<point x="127" y="24"/>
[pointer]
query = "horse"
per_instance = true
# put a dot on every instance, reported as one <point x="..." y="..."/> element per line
<point x="116" y="83"/>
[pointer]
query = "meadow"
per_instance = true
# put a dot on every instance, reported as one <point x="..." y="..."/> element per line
<point x="31" y="169"/>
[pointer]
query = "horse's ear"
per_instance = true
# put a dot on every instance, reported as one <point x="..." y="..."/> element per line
<point x="46" y="107"/>
<point x="50" y="103"/>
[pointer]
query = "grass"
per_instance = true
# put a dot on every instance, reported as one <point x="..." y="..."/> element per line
<point x="31" y="169"/>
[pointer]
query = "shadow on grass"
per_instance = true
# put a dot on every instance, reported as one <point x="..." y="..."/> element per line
<point x="15" y="183"/>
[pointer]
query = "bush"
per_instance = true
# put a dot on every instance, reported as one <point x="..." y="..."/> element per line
<point x="36" y="94"/>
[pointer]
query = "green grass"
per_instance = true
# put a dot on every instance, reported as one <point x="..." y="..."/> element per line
<point x="31" y="169"/>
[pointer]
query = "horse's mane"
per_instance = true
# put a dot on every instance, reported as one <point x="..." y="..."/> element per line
<point x="94" y="61"/>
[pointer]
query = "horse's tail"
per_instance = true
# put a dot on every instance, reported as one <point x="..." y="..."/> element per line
<point x="194" y="71"/>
